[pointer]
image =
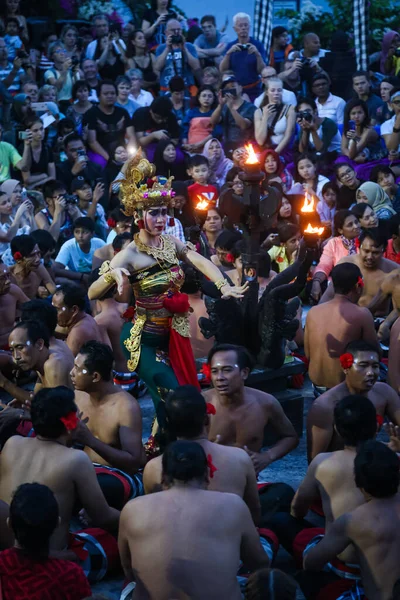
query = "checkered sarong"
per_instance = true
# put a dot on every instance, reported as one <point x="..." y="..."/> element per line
<point x="263" y="17"/>
<point x="360" y="21"/>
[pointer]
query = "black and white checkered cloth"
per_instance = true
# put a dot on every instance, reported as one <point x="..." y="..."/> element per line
<point x="263" y="15"/>
<point x="360" y="19"/>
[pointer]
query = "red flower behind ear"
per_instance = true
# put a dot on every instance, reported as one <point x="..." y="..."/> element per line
<point x="346" y="360"/>
<point x="210" y="408"/>
<point x="206" y="370"/>
<point x="70" y="421"/>
<point x="111" y="223"/>
<point x="230" y="258"/>
<point x="379" y="420"/>
<point x="18" y="256"/>
<point x="211" y="467"/>
<point x="360" y="282"/>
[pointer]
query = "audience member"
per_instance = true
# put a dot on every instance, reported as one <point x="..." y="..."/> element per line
<point x="362" y="88"/>
<point x="328" y="105"/>
<point x="211" y="44"/>
<point x="156" y="122"/>
<point x="77" y="163"/>
<point x="280" y="47"/>
<point x="319" y="134"/>
<point x="372" y="194"/>
<point x="349" y="184"/>
<point x="155" y="20"/>
<point x="140" y="58"/>
<point x="80" y="96"/>
<point x="385" y="177"/>
<point x="245" y="57"/>
<point x="287" y="96"/>
<point x="138" y="94"/>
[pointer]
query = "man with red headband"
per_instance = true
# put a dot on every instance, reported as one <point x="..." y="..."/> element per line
<point x="332" y="325"/>
<point x="360" y="364"/>
<point x="69" y="473"/>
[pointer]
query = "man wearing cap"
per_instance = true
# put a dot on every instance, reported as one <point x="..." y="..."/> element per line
<point x="245" y="57"/>
<point x="328" y="105"/>
<point x="235" y="114"/>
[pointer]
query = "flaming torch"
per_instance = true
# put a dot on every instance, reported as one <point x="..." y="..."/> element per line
<point x="202" y="204"/>
<point x="308" y="215"/>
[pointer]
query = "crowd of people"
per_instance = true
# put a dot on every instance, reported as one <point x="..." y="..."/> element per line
<point x="123" y="217"/>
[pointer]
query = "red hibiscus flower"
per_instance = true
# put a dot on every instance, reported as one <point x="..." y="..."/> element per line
<point x="230" y="258"/>
<point x="70" y="421"/>
<point x="380" y="420"/>
<point x="210" y="408"/>
<point x="18" y="256"/>
<point x="129" y="313"/>
<point x="346" y="360"/>
<point x="360" y="282"/>
<point x="210" y="465"/>
<point x="111" y="222"/>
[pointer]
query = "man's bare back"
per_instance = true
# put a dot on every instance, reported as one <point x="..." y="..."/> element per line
<point x="110" y="321"/>
<point x="321" y="435"/>
<point x="28" y="460"/>
<point x="58" y="366"/>
<point x="234" y="474"/>
<point x="8" y="311"/>
<point x="195" y="539"/>
<point x="329" y="328"/>
<point x="83" y="331"/>
<point x="394" y="357"/>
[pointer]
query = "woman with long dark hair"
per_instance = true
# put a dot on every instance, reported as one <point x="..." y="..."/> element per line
<point x="360" y="141"/>
<point x="155" y="20"/>
<point x="139" y="57"/>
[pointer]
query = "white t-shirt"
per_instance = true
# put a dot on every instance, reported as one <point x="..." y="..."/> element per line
<point x="72" y="257"/>
<point x="387" y="127"/>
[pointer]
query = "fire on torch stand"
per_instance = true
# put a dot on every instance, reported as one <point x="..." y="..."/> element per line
<point x="313" y="231"/>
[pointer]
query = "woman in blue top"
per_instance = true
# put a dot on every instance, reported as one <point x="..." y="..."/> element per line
<point x="197" y="127"/>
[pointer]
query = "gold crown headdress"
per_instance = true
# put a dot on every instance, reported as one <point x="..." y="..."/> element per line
<point x="141" y="190"/>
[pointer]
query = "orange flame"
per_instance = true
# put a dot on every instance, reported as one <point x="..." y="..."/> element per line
<point x="317" y="230"/>
<point x="202" y="204"/>
<point x="308" y="206"/>
<point x="251" y="155"/>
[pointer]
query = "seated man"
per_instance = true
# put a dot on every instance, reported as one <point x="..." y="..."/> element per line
<point x="389" y="290"/>
<point x="111" y="425"/>
<point x="70" y="475"/>
<point x="393" y="377"/>
<point x="374" y="269"/>
<point x="29" y="344"/>
<point x="332" y="325"/>
<point x="330" y="479"/>
<point x="107" y="252"/>
<point x="241" y="413"/>
<point x="70" y="301"/>
<point x="372" y="528"/>
<point x="230" y="469"/>
<point x="204" y="529"/>
<point x="11" y="298"/>
<point x="28" y="273"/>
<point x="210" y="44"/>
<point x="360" y="364"/>
<point x="77" y="253"/>
<point x="34" y="516"/>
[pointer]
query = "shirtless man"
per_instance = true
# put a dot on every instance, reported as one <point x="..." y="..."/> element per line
<point x="361" y="369"/>
<point x="69" y="300"/>
<point x="394" y="357"/>
<point x="28" y="272"/>
<point x="389" y="289"/>
<point x="230" y="470"/>
<point x="372" y="528"/>
<point x="69" y="473"/>
<point x="241" y="412"/>
<point x="332" y="325"/>
<point x="108" y="251"/>
<point x="29" y="344"/>
<point x="329" y="478"/>
<point x="11" y="298"/>
<point x="374" y="269"/>
<point x="111" y="425"/>
<point x="110" y="320"/>
<point x="195" y="537"/>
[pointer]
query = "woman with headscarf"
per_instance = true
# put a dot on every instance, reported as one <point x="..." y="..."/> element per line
<point x="391" y="40"/>
<point x="377" y="198"/>
<point x="165" y="159"/>
<point x="219" y="163"/>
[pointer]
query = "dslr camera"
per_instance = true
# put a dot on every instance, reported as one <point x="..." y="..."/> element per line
<point x="71" y="198"/>
<point x="176" y="39"/>
<point x="244" y="47"/>
<point x="306" y="61"/>
<point x="304" y="114"/>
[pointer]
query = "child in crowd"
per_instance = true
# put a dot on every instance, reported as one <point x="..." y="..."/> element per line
<point x="307" y="177"/>
<point x="75" y="257"/>
<point x="199" y="171"/>
<point x="12" y="39"/>
<point x="326" y="207"/>
<point x="285" y="254"/>
<point x="89" y="203"/>
<point x="197" y="128"/>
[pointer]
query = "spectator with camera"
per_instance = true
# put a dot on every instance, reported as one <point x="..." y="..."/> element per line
<point x="235" y="114"/>
<point x="312" y="48"/>
<point x="155" y="20"/>
<point x="291" y="75"/>
<point x="177" y="57"/>
<point x="63" y="75"/>
<point x="108" y="125"/>
<point x="102" y="29"/>
<point x="88" y="200"/>
<point x="77" y="163"/>
<point x="10" y="157"/>
<point x="42" y="168"/>
<point x="210" y="44"/>
<point x="328" y="105"/>
<point x="317" y="134"/>
<point x="109" y="57"/>
<point x="156" y="122"/>
<point x="245" y="57"/>
<point x="60" y="212"/>
<point x="69" y="37"/>
<point x="11" y="73"/>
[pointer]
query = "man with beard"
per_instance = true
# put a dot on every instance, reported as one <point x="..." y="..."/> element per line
<point x="360" y="363"/>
